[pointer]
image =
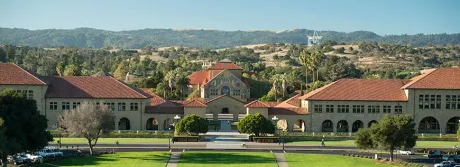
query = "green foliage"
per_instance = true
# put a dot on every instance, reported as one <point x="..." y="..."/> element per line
<point x="192" y="125"/>
<point x="256" y="124"/>
<point x="196" y="93"/>
<point x="23" y="127"/>
<point x="392" y="132"/>
<point x="363" y="139"/>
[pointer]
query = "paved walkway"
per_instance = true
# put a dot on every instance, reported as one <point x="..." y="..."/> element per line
<point x="281" y="160"/>
<point x="174" y="160"/>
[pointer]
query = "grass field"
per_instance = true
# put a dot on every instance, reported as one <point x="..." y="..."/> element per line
<point x="122" y="159"/>
<point x="227" y="159"/>
<point x="112" y="140"/>
<point x="324" y="160"/>
<point x="351" y="143"/>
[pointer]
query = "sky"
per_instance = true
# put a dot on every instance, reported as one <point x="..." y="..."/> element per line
<point x="380" y="16"/>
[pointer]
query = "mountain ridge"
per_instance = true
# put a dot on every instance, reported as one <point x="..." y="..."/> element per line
<point x="199" y="38"/>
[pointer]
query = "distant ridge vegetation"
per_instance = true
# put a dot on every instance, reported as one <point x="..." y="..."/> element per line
<point x="212" y="39"/>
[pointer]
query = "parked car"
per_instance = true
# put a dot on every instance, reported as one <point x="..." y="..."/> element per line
<point x="405" y="152"/>
<point x="25" y="158"/>
<point x="16" y="160"/>
<point x="434" y="155"/>
<point x="448" y="157"/>
<point x="56" y="152"/>
<point x="444" y="164"/>
<point x="36" y="158"/>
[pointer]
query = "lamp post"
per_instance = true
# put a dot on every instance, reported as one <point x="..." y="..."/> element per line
<point x="169" y="137"/>
<point x="275" y="119"/>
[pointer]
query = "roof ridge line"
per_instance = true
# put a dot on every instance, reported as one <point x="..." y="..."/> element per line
<point x="124" y="84"/>
<point x="428" y="73"/>
<point x="29" y="73"/>
<point x="255" y="102"/>
<point x="214" y="76"/>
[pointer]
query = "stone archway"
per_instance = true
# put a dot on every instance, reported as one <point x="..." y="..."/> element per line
<point x="371" y="123"/>
<point x="299" y="126"/>
<point x="327" y="126"/>
<point x="452" y="125"/>
<point x="124" y="124"/>
<point x="168" y="124"/>
<point x="282" y="124"/>
<point x="342" y="126"/>
<point x="429" y="125"/>
<point x="356" y="126"/>
<point x="152" y="124"/>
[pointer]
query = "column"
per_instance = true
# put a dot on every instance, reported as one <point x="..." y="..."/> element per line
<point x="350" y="126"/>
<point x="161" y="123"/>
<point x="235" y="116"/>
<point x="215" y="116"/>
<point x="334" y="128"/>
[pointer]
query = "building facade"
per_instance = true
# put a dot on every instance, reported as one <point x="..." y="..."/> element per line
<point x="344" y="106"/>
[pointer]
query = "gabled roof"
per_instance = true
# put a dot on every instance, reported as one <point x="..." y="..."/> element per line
<point x="156" y="100"/>
<point x="225" y="65"/>
<point x="256" y="104"/>
<point x="158" y="105"/>
<point x="221" y="96"/>
<point x="199" y="77"/>
<point x="12" y="74"/>
<point x="90" y="87"/>
<point x="360" y="90"/>
<point x="194" y="103"/>
<point x="442" y="78"/>
<point x="294" y="101"/>
<point x="287" y="111"/>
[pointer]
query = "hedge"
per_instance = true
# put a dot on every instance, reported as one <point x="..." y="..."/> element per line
<point x="186" y="138"/>
<point x="123" y="134"/>
<point x="269" y="139"/>
<point x="386" y="160"/>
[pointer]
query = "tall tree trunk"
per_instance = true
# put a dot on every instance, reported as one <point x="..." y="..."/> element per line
<point x="313" y="83"/>
<point x="391" y="155"/>
<point x="306" y="79"/>
<point x="90" y="147"/>
<point x="4" y="160"/>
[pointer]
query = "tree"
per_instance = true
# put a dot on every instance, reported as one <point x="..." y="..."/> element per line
<point x="192" y="125"/>
<point x="121" y="71"/>
<point x="89" y="120"/>
<point x="392" y="132"/>
<point x="22" y="127"/>
<point x="71" y="70"/>
<point x="196" y="93"/>
<point x="305" y="61"/>
<point x="256" y="124"/>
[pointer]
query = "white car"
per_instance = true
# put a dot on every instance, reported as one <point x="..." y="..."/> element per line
<point x="405" y="152"/>
<point x="36" y="158"/>
<point x="56" y="152"/>
<point x="444" y="164"/>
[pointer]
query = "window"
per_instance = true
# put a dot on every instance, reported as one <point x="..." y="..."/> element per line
<point x="452" y="101"/>
<point x="374" y="109"/>
<point x="236" y="92"/>
<point x="111" y="106"/>
<point x="343" y="109"/>
<point x="121" y="106"/>
<point x="358" y="108"/>
<point x="75" y="105"/>
<point x="429" y="101"/>
<point x="31" y="94"/>
<point x="398" y="109"/>
<point x="53" y="106"/>
<point x="387" y="109"/>
<point x="214" y="92"/>
<point x="318" y="108"/>
<point x="329" y="108"/>
<point x="133" y="106"/>
<point x="65" y="105"/>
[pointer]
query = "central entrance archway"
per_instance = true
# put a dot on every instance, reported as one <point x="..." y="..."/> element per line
<point x="225" y="111"/>
<point x="124" y="124"/>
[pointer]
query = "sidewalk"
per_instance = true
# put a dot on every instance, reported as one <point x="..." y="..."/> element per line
<point x="281" y="160"/>
<point x="174" y="160"/>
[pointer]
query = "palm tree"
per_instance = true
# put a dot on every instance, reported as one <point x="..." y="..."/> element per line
<point x="305" y="61"/>
<point x="277" y="79"/>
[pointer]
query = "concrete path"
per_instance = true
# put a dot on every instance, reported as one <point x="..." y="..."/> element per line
<point x="174" y="160"/>
<point x="281" y="160"/>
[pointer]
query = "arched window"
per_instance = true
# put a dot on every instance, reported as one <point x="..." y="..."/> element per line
<point x="428" y="125"/>
<point x="356" y="125"/>
<point x="327" y="126"/>
<point x="124" y="124"/>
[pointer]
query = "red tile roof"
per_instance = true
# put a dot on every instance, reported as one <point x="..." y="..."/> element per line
<point x="11" y="74"/>
<point x="157" y="100"/>
<point x="158" y="105"/>
<point x="199" y="77"/>
<point x="194" y="103"/>
<point x="294" y="101"/>
<point x="442" y="78"/>
<point x="272" y="103"/>
<point x="90" y="87"/>
<point x="225" y="65"/>
<point x="164" y="110"/>
<point x="360" y="90"/>
<point x="256" y="104"/>
<point x="287" y="111"/>
<point x="218" y="97"/>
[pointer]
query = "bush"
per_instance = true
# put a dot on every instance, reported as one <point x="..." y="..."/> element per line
<point x="192" y="125"/>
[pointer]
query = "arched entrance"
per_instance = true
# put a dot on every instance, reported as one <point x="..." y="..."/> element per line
<point x="342" y="126"/>
<point x="152" y="124"/>
<point x="429" y="125"/>
<point x="282" y="124"/>
<point x="225" y="90"/>
<point x="169" y="123"/>
<point x="371" y="123"/>
<point x="356" y="125"/>
<point x="299" y="126"/>
<point x="452" y="125"/>
<point x="327" y="126"/>
<point x="124" y="124"/>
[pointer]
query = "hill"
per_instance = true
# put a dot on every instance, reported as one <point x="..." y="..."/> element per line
<point x="211" y="39"/>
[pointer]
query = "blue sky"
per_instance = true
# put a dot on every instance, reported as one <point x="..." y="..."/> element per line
<point x="380" y="16"/>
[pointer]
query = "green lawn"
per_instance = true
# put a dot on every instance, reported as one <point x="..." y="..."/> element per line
<point x="112" y="140"/>
<point x="227" y="159"/>
<point x="326" y="160"/>
<point x="122" y="159"/>
<point x="351" y="143"/>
